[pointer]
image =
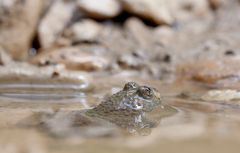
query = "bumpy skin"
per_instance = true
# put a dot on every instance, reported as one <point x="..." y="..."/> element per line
<point x="127" y="108"/>
<point x="132" y="100"/>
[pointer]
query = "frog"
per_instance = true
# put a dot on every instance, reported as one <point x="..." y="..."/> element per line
<point x="128" y="106"/>
<point x="132" y="99"/>
<point x="128" y="110"/>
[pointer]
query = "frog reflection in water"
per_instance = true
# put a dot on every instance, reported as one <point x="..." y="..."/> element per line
<point x="126" y="109"/>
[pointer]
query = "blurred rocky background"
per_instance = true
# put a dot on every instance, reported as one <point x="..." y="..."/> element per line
<point x="153" y="39"/>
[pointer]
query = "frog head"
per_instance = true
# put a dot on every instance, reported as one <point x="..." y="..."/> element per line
<point x="140" y="98"/>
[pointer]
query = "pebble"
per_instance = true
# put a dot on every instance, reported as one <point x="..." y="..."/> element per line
<point x="221" y="95"/>
<point x="73" y="58"/>
<point x="139" y="31"/>
<point x="154" y="10"/>
<point x="18" y="21"/>
<point x="100" y="9"/>
<point x="85" y="30"/>
<point x="167" y="11"/>
<point x="53" y="24"/>
<point x="53" y="75"/>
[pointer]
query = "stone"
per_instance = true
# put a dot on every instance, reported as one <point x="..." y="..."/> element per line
<point x="140" y="32"/>
<point x="221" y="95"/>
<point x="167" y="11"/>
<point x="18" y="21"/>
<point x="218" y="73"/>
<point x="188" y="10"/>
<point x="116" y="39"/>
<point x="53" y="75"/>
<point x="54" y="22"/>
<point x="129" y="61"/>
<point x="164" y="35"/>
<point x="100" y="9"/>
<point x="154" y="10"/>
<point x="74" y="58"/>
<point x="85" y="30"/>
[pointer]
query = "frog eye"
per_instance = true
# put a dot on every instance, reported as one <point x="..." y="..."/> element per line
<point x="130" y="85"/>
<point x="146" y="92"/>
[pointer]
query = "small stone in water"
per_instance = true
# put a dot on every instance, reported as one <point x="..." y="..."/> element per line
<point x="221" y="95"/>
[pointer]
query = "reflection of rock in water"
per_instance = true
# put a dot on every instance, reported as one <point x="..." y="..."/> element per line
<point x="136" y="109"/>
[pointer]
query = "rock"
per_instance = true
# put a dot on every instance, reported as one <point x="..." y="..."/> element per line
<point x="85" y="30"/>
<point x="167" y="11"/>
<point x="50" y="76"/>
<point x="154" y="10"/>
<point x="18" y="20"/>
<point x="188" y="10"/>
<point x="214" y="73"/>
<point x="164" y="72"/>
<point x="221" y="95"/>
<point x="54" y="22"/>
<point x="100" y="10"/>
<point x="164" y="35"/>
<point x="129" y="61"/>
<point x="218" y="71"/>
<point x="74" y="58"/>
<point x="116" y="39"/>
<point x="140" y="33"/>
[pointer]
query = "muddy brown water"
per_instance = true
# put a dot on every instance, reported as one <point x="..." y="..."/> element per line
<point x="197" y="126"/>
